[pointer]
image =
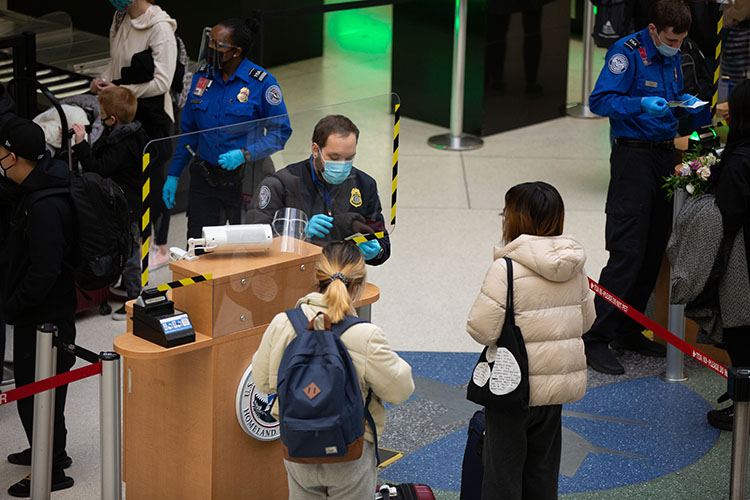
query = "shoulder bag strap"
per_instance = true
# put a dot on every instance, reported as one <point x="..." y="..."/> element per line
<point x="510" y="315"/>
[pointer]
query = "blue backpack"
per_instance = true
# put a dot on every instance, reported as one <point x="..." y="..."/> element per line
<point x="321" y="413"/>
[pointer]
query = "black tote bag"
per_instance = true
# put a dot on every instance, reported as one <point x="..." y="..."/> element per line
<point x="500" y="379"/>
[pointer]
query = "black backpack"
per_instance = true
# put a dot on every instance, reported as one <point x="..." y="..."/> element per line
<point x="102" y="227"/>
<point x="697" y="77"/>
<point x="611" y="22"/>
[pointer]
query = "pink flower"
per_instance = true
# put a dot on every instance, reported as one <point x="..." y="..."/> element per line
<point x="694" y="164"/>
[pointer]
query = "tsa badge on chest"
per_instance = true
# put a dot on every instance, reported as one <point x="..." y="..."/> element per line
<point x="243" y="95"/>
<point x="356" y="198"/>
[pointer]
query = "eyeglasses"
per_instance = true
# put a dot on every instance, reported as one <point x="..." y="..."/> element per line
<point x="502" y="213"/>
<point x="214" y="43"/>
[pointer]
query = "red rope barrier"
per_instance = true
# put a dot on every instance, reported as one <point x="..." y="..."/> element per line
<point x="50" y="383"/>
<point x="657" y="329"/>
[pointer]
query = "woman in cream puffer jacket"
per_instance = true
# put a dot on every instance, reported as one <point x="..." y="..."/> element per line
<point x="553" y="307"/>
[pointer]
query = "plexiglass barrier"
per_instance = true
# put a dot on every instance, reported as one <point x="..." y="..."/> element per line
<point x="269" y="145"/>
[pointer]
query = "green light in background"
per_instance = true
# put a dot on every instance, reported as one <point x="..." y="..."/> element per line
<point x="594" y="9"/>
<point x="695" y="137"/>
<point x="361" y="30"/>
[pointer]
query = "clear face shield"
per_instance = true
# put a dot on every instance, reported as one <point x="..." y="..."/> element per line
<point x="290" y="226"/>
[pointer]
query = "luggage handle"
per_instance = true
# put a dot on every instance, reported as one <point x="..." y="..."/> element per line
<point x="385" y="492"/>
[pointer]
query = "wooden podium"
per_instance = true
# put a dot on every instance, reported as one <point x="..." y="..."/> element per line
<point x="181" y="437"/>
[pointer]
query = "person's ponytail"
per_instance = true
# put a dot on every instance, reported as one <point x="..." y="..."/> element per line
<point x="340" y="273"/>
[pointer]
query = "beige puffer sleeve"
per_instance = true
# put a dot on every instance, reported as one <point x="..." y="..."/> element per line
<point x="386" y="373"/>
<point x="488" y="312"/>
<point x="267" y="358"/>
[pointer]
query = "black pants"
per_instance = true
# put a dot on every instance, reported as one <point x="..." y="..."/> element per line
<point x="158" y="126"/>
<point x="211" y="206"/>
<point x="639" y="217"/>
<point x="24" y="359"/>
<point x="521" y="454"/>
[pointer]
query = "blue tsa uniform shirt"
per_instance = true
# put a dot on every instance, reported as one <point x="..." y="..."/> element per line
<point x="634" y="70"/>
<point x="249" y="94"/>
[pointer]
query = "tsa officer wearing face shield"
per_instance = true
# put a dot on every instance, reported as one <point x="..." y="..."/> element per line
<point x="228" y="90"/>
<point x="641" y="75"/>
<point x="339" y="199"/>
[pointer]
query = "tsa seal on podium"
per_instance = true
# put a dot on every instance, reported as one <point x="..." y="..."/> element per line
<point x="254" y="409"/>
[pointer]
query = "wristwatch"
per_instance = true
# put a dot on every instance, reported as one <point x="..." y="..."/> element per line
<point x="247" y="155"/>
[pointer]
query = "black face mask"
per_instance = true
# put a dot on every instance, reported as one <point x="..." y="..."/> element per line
<point x="108" y="128"/>
<point x="214" y="58"/>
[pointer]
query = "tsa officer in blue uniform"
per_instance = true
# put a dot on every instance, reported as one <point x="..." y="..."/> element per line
<point x="228" y="90"/>
<point x="641" y="75"/>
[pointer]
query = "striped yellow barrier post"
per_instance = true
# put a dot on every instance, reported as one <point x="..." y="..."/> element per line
<point x="145" y="219"/>
<point x="717" y="63"/>
<point x="184" y="282"/>
<point x="394" y="175"/>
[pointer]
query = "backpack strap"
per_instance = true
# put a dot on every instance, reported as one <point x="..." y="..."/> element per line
<point x="298" y="319"/>
<point x="509" y="311"/>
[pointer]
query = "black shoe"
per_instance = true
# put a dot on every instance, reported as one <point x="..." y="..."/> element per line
<point x="24" y="458"/>
<point x="601" y="359"/>
<point x="722" y="419"/>
<point x="639" y="344"/>
<point x="22" y="488"/>
<point x="120" y="314"/>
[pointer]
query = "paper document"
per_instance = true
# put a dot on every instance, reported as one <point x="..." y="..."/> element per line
<point x="684" y="104"/>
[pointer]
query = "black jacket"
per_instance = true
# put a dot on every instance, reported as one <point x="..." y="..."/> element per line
<point x="355" y="204"/>
<point x="39" y="251"/>
<point x="117" y="155"/>
<point x="733" y="192"/>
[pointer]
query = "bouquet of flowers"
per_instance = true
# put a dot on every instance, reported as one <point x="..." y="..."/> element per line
<point x="693" y="174"/>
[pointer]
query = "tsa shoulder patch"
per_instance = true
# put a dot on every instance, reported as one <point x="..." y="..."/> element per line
<point x="264" y="197"/>
<point x="258" y="74"/>
<point x="618" y="64"/>
<point x="356" y="198"/>
<point x="273" y="95"/>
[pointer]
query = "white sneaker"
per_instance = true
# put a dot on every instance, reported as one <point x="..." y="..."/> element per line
<point x="157" y="260"/>
<point x="120" y="314"/>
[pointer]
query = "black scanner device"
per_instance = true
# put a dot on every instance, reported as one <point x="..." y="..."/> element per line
<point x="155" y="319"/>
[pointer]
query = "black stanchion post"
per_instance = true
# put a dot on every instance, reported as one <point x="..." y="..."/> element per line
<point x="738" y="388"/>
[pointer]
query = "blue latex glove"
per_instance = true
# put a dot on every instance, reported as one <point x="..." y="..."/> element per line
<point x="655" y="106"/>
<point x="319" y="226"/>
<point x="231" y="159"/>
<point x="690" y="99"/>
<point x="369" y="249"/>
<point x="170" y="188"/>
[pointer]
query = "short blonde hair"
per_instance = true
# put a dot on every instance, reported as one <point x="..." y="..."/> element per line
<point x="119" y="102"/>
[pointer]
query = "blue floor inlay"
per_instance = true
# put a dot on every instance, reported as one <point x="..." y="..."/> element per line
<point x="619" y="434"/>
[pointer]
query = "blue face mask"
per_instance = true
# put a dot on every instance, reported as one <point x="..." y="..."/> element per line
<point x="665" y="49"/>
<point x="336" y="172"/>
<point x="121" y="5"/>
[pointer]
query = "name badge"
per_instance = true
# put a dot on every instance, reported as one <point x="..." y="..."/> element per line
<point x="200" y="86"/>
<point x="651" y="84"/>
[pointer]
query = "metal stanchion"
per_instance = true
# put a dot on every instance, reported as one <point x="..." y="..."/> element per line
<point x="44" y="414"/>
<point x="582" y="110"/>
<point x="676" y="314"/>
<point x="738" y="388"/>
<point x="109" y="426"/>
<point x="456" y="140"/>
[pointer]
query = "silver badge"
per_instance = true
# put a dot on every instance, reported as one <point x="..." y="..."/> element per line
<point x="618" y="64"/>
<point x="264" y="197"/>
<point x="253" y="409"/>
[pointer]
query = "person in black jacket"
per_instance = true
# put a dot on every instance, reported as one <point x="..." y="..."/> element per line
<point x="39" y="256"/>
<point x="733" y="200"/>
<point x="339" y="199"/>
<point x="117" y="155"/>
